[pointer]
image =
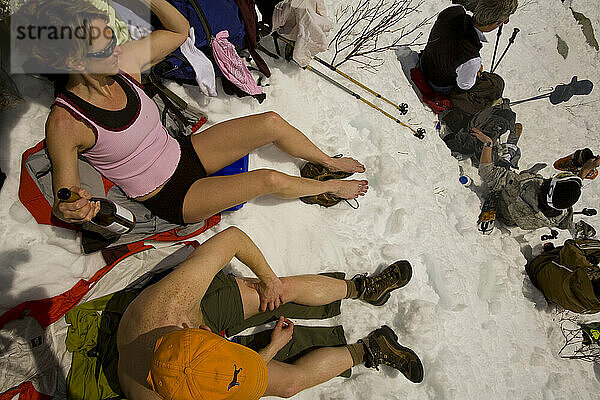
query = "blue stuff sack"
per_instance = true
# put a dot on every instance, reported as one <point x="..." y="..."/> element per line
<point x="220" y="15"/>
<point x="236" y="167"/>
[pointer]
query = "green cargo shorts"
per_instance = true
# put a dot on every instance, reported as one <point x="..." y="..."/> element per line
<point x="223" y="310"/>
<point x="221" y="305"/>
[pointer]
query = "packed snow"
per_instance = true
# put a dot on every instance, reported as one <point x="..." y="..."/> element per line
<point x="481" y="329"/>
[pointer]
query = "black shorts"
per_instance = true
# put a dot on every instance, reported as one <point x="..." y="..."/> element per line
<point x="168" y="203"/>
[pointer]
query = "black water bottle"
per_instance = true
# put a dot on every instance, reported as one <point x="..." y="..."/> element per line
<point x="111" y="216"/>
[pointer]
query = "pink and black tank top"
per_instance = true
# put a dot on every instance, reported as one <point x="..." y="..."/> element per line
<point x="132" y="147"/>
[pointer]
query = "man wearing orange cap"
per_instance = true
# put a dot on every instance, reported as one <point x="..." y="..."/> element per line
<point x="169" y="349"/>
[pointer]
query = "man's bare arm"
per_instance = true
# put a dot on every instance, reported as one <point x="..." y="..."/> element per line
<point x="196" y="273"/>
<point x="495" y="177"/>
<point x="135" y="390"/>
<point x="281" y="335"/>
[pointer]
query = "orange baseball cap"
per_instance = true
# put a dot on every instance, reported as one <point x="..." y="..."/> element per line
<point x="193" y="364"/>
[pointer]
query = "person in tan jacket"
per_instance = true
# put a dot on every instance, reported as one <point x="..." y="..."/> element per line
<point x="569" y="275"/>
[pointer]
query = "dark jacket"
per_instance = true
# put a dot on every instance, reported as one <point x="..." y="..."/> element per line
<point x="452" y="42"/>
<point x="565" y="275"/>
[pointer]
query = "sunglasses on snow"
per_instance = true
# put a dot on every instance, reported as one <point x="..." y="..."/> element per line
<point x="107" y="52"/>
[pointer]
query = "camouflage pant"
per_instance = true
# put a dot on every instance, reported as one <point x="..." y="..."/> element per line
<point x="493" y="121"/>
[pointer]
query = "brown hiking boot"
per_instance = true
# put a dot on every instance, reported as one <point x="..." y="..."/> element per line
<point x="376" y="289"/>
<point x="382" y="347"/>
<point x="320" y="173"/>
<point x="574" y="162"/>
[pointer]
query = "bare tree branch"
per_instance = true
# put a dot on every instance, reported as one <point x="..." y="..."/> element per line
<point x="368" y="28"/>
<point x="526" y="4"/>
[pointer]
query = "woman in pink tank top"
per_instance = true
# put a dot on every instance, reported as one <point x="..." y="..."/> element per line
<point x="104" y="116"/>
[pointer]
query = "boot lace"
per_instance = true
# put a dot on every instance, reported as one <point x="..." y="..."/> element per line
<point x="376" y="284"/>
<point x="376" y="357"/>
<point x="373" y="354"/>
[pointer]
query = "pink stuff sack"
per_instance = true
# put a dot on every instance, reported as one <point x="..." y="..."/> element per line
<point x="232" y="65"/>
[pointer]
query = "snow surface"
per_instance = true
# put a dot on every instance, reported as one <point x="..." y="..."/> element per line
<point x="470" y="312"/>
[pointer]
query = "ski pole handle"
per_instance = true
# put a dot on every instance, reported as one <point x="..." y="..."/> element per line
<point x="514" y="35"/>
<point x="587" y="212"/>
<point x="499" y="33"/>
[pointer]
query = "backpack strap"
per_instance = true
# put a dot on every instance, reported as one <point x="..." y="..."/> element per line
<point x="248" y="12"/>
<point x="203" y="20"/>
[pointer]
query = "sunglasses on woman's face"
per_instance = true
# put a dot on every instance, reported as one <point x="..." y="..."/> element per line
<point x="107" y="52"/>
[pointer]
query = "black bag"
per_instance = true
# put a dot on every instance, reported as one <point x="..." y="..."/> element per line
<point x="493" y="121"/>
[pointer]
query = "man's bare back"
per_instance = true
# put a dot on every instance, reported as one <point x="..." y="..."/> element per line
<point x="155" y="312"/>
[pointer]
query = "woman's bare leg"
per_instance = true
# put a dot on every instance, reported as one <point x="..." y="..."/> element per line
<point x="228" y="141"/>
<point x="208" y="196"/>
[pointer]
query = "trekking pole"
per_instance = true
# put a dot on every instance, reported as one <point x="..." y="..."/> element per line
<point x="419" y="132"/>
<point x="403" y="107"/>
<point x="541" y="96"/>
<point x="588" y="212"/>
<point x="510" y="42"/>
<point x="498" y="34"/>
<point x="563" y="92"/>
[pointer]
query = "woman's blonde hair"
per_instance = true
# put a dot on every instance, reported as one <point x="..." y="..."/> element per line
<point x="68" y="20"/>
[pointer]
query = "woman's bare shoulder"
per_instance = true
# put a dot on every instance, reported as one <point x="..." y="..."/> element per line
<point x="60" y="118"/>
<point x="62" y="126"/>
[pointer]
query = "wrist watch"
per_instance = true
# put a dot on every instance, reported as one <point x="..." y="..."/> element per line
<point x="488" y="144"/>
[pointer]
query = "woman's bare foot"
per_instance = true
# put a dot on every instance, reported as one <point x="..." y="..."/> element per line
<point x="345" y="164"/>
<point x="348" y="189"/>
